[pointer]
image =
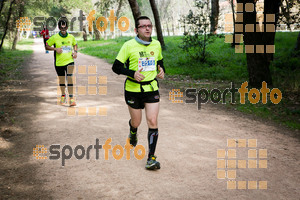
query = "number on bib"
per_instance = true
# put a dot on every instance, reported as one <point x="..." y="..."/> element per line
<point x="148" y="64"/>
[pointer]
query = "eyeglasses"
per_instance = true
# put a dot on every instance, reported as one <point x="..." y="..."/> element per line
<point x="145" y="26"/>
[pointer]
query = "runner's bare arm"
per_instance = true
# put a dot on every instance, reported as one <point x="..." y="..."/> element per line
<point x="74" y="54"/>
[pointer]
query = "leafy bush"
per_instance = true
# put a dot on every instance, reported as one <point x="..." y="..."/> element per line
<point x="196" y="35"/>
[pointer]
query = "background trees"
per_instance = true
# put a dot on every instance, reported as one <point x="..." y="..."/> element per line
<point x="136" y="13"/>
<point x="6" y="25"/>
<point x="196" y="25"/>
<point x="135" y="9"/>
<point x="214" y="16"/>
<point x="12" y="10"/>
<point x="157" y="23"/>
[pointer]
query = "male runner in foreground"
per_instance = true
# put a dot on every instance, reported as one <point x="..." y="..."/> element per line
<point x="63" y="57"/>
<point x="144" y="62"/>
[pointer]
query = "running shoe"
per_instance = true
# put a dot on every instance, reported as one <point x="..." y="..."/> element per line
<point x="63" y="100"/>
<point x="72" y="102"/>
<point x="152" y="163"/>
<point x="133" y="138"/>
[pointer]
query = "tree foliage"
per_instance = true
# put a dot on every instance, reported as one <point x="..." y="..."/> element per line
<point x="196" y="35"/>
<point x="290" y="14"/>
<point x="103" y="6"/>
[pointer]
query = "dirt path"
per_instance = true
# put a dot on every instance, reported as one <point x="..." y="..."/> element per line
<point x="187" y="146"/>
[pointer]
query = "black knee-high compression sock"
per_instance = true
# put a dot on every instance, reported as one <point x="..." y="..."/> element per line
<point x="132" y="129"/>
<point x="132" y="135"/>
<point x="152" y="140"/>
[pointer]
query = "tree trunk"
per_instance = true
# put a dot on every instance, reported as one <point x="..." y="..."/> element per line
<point x="297" y="48"/>
<point x="173" y="28"/>
<point x="233" y="19"/>
<point x="168" y="29"/>
<point x="258" y="63"/>
<point x="84" y="34"/>
<point x="21" y="9"/>
<point x="270" y="7"/>
<point x="214" y="16"/>
<point x="1" y="5"/>
<point x="236" y="37"/>
<point x="14" y="45"/>
<point x="135" y="9"/>
<point x="119" y="8"/>
<point x="96" y="32"/>
<point x="7" y="21"/>
<point x="286" y="13"/>
<point x="157" y="24"/>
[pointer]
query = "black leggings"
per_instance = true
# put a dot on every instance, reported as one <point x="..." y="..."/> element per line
<point x="45" y="40"/>
<point x="62" y="71"/>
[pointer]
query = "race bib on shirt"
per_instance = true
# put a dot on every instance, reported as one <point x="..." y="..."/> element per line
<point x="148" y="64"/>
<point x="66" y="49"/>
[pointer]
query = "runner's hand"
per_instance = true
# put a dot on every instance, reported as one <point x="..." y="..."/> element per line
<point x="58" y="50"/>
<point x="74" y="55"/>
<point x="161" y="73"/>
<point x="138" y="76"/>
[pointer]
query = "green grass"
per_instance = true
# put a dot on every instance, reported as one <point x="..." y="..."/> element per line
<point x="12" y="60"/>
<point x="281" y="113"/>
<point x="222" y="63"/>
<point x="223" y="66"/>
<point x="286" y="66"/>
<point x="105" y="49"/>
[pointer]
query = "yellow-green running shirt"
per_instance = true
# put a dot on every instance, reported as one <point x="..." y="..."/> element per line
<point x="66" y="44"/>
<point x="136" y="56"/>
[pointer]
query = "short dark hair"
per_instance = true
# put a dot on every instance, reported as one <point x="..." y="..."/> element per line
<point x="62" y="21"/>
<point x="137" y="22"/>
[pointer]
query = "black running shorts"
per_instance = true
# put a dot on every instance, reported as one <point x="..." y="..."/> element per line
<point x="137" y="100"/>
<point x="63" y="70"/>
